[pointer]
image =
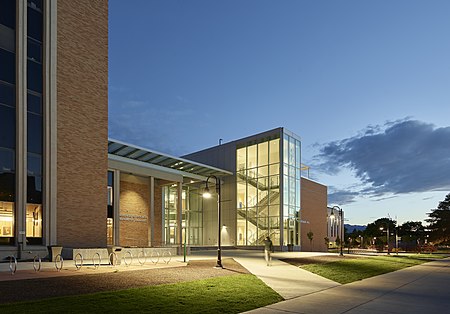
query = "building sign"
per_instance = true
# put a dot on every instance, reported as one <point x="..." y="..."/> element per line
<point x="133" y="218"/>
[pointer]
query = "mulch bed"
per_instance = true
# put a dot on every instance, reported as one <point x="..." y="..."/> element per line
<point x="301" y="261"/>
<point x="33" y="289"/>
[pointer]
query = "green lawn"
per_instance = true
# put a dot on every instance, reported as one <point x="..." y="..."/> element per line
<point x="350" y="270"/>
<point x="228" y="294"/>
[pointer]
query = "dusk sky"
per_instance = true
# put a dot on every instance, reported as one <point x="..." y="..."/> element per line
<point x="365" y="84"/>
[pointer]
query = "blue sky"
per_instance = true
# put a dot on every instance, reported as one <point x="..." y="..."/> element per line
<point x="366" y="84"/>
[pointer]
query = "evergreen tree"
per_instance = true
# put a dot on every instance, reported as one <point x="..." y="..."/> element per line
<point x="439" y="222"/>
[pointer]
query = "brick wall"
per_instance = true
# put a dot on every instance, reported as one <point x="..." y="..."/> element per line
<point x="314" y="210"/>
<point x="134" y="209"/>
<point x="82" y="122"/>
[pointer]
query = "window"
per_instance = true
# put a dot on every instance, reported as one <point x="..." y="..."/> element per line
<point x="7" y="127"/>
<point x="34" y="76"/>
<point x="8" y="66"/>
<point x="34" y="138"/>
<point x="34" y="28"/>
<point x="8" y="13"/>
<point x="34" y="103"/>
<point x="34" y="51"/>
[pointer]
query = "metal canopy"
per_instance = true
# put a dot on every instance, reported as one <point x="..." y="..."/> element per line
<point x="149" y="156"/>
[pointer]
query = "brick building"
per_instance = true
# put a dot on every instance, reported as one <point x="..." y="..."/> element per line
<point x="64" y="183"/>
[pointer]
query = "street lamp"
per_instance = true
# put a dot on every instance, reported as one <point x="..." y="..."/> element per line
<point x="341" y="227"/>
<point x="387" y="236"/>
<point x="207" y="194"/>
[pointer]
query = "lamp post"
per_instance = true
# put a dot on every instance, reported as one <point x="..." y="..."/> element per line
<point x="207" y="194"/>
<point x="387" y="236"/>
<point x="341" y="227"/>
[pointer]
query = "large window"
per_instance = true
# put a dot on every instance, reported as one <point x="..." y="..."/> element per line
<point x="7" y="120"/>
<point x="193" y="215"/>
<point x="170" y="214"/>
<point x="258" y="192"/>
<point x="291" y="189"/>
<point x="34" y="121"/>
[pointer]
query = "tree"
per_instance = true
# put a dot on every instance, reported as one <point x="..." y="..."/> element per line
<point x="310" y="236"/>
<point x="439" y="222"/>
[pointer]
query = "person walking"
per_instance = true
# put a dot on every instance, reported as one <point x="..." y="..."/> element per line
<point x="268" y="249"/>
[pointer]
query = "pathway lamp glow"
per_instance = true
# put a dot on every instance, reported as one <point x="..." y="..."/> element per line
<point x="341" y="227"/>
<point x="207" y="194"/>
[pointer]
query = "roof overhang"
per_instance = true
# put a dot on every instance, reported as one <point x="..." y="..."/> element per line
<point x="137" y="159"/>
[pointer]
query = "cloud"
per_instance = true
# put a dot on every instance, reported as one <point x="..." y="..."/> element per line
<point x="398" y="157"/>
<point x="341" y="196"/>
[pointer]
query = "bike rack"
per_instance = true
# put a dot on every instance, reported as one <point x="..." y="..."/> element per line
<point x="99" y="260"/>
<point x="77" y="258"/>
<point x="166" y="256"/>
<point x="113" y="259"/>
<point x="154" y="257"/>
<point x="142" y="254"/>
<point x="125" y="258"/>
<point x="59" y="262"/>
<point x="12" y="264"/>
<point x="37" y="260"/>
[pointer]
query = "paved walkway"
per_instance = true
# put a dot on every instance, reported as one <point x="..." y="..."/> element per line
<point x="288" y="280"/>
<point x="419" y="289"/>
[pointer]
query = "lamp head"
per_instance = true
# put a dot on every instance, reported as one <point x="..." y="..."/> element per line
<point x="206" y="193"/>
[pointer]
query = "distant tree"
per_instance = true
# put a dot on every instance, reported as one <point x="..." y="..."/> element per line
<point x="411" y="230"/>
<point x="439" y="222"/>
<point x="378" y="229"/>
<point x="310" y="236"/>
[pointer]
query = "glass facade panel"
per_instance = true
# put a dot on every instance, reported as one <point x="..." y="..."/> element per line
<point x="8" y="13"/>
<point x="193" y="213"/>
<point x="8" y="66"/>
<point x="170" y="214"/>
<point x="263" y="154"/>
<point x="7" y="127"/>
<point x="259" y="184"/>
<point x="35" y="27"/>
<point x="274" y="151"/>
<point x="7" y="120"/>
<point x="241" y="194"/>
<point x="7" y="95"/>
<point x="251" y="156"/>
<point x="241" y="158"/>
<point x="292" y="193"/>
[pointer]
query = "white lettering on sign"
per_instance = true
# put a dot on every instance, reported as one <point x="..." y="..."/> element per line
<point x="133" y="218"/>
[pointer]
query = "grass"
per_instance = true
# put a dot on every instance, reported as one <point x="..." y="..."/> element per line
<point x="228" y="294"/>
<point x="351" y="270"/>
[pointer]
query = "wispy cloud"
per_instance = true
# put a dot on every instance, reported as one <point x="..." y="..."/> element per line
<point x="398" y="157"/>
<point x="341" y="196"/>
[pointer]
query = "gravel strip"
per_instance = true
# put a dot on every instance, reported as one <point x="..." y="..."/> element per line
<point x="33" y="289"/>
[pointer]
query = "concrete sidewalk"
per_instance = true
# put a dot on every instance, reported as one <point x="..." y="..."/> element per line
<point x="417" y="289"/>
<point x="288" y="280"/>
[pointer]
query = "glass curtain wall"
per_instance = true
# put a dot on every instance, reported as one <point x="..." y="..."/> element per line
<point x="170" y="214"/>
<point x="35" y="26"/>
<point x="192" y="215"/>
<point x="258" y="193"/>
<point x="291" y="189"/>
<point x="7" y="120"/>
